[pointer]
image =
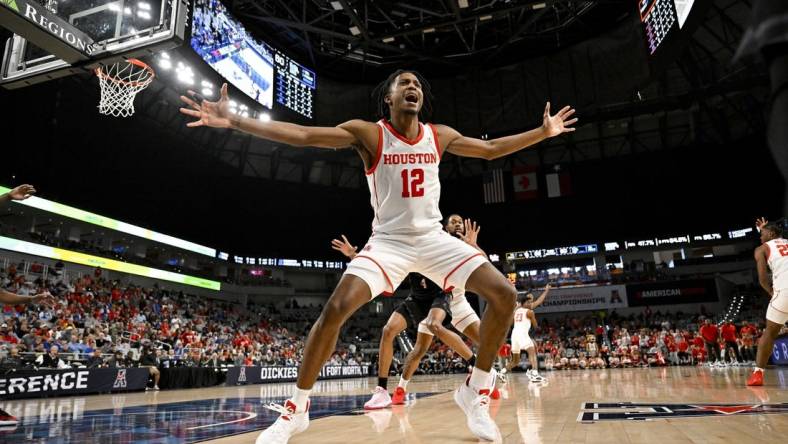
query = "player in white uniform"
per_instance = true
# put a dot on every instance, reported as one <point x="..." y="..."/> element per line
<point x="524" y="318"/>
<point x="401" y="156"/>
<point x="771" y="255"/>
<point x="431" y="325"/>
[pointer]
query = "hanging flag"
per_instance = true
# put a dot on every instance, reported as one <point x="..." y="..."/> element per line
<point x="493" y="186"/>
<point x="525" y="183"/>
<point x="558" y="184"/>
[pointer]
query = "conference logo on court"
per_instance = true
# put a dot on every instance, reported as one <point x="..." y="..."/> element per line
<point x="120" y="379"/>
<point x="629" y="411"/>
<point x="11" y="4"/>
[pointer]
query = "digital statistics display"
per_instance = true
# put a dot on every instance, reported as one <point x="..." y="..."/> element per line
<point x="262" y="72"/>
<point x="295" y="85"/>
<point x="659" y="20"/>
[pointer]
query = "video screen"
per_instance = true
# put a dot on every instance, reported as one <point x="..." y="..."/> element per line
<point x="228" y="48"/>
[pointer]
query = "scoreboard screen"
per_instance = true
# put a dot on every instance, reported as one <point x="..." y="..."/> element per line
<point x="295" y="85"/>
<point x="659" y="20"/>
<point x="667" y="26"/>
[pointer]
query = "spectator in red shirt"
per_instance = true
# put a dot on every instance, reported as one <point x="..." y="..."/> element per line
<point x="683" y="347"/>
<point x="710" y="333"/>
<point x="748" y="333"/>
<point x="729" y="336"/>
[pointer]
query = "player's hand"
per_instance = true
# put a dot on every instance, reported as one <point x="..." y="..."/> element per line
<point x="559" y="123"/>
<point x="548" y="287"/>
<point x="759" y="223"/>
<point x="22" y="192"/>
<point x="44" y="298"/>
<point x="471" y="232"/>
<point x="343" y="246"/>
<point x="213" y="114"/>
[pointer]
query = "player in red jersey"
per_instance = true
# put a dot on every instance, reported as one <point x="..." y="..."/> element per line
<point x="401" y="157"/>
<point x="771" y="255"/>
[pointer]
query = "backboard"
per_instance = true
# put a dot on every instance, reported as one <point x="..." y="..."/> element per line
<point x="55" y="38"/>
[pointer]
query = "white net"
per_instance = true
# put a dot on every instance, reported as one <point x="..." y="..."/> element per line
<point x="120" y="83"/>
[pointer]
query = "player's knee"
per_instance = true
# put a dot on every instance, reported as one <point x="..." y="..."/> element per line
<point x="389" y="332"/>
<point x="503" y="297"/>
<point x="435" y="327"/>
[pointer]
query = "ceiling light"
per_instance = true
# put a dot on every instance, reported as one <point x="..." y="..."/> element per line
<point x="484" y="18"/>
<point x="264" y="117"/>
<point x="388" y="40"/>
<point x="462" y="3"/>
<point x="354" y="30"/>
<point x="429" y="30"/>
<point x="539" y="6"/>
<point x="337" y="6"/>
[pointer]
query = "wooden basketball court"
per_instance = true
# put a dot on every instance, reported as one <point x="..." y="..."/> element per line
<point x="695" y="405"/>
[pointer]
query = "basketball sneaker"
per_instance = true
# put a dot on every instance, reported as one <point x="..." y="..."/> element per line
<point x="476" y="406"/>
<point x="756" y="378"/>
<point x="7" y="419"/>
<point x="399" y="396"/>
<point x="536" y="377"/>
<point x="380" y="399"/>
<point x="289" y="423"/>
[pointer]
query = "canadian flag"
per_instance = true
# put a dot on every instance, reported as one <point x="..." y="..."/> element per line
<point x="526" y="185"/>
<point x="558" y="184"/>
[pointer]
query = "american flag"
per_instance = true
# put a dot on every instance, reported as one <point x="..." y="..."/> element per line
<point x="493" y="186"/>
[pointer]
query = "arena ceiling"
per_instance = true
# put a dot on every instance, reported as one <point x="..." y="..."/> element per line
<point x="351" y="39"/>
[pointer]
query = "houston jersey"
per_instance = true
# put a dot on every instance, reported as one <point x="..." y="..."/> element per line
<point x="777" y="256"/>
<point x="521" y="321"/>
<point x="404" y="185"/>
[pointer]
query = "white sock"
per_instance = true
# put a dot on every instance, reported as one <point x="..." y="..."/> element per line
<point x="480" y="379"/>
<point x="758" y="369"/>
<point x="403" y="383"/>
<point x="300" y="399"/>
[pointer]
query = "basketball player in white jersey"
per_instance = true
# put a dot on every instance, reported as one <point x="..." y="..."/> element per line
<point x="771" y="255"/>
<point x="524" y="318"/>
<point x="401" y="157"/>
<point x="424" y="310"/>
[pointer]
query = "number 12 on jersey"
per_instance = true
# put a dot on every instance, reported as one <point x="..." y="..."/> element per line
<point x="412" y="181"/>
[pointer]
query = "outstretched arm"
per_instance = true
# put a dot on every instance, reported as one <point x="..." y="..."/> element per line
<point x="21" y="192"/>
<point x="15" y="299"/>
<point x="345" y="247"/>
<point x="541" y="297"/>
<point x="552" y="126"/>
<point x="763" y="269"/>
<point x="217" y="115"/>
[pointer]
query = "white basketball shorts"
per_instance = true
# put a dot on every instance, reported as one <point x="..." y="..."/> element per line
<point x="386" y="260"/>
<point x="778" y="307"/>
<point x="521" y="342"/>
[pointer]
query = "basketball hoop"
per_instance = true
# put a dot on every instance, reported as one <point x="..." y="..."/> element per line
<point x="120" y="83"/>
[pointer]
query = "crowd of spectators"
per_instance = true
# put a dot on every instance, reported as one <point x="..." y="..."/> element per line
<point x="644" y="340"/>
<point x="99" y="323"/>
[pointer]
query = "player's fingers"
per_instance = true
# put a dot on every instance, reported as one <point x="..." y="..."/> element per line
<point x="571" y="121"/>
<point x="190" y="102"/>
<point x="547" y="109"/>
<point x="345" y="239"/>
<point x="190" y="112"/>
<point x="224" y="91"/>
<point x="194" y="124"/>
<point x="567" y="114"/>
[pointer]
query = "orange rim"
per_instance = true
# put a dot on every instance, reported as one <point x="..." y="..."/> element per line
<point x="136" y="62"/>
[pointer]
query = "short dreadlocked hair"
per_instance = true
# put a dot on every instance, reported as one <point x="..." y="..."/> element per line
<point x="382" y="90"/>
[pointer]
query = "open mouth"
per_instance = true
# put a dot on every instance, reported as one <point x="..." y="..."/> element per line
<point x="412" y="98"/>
